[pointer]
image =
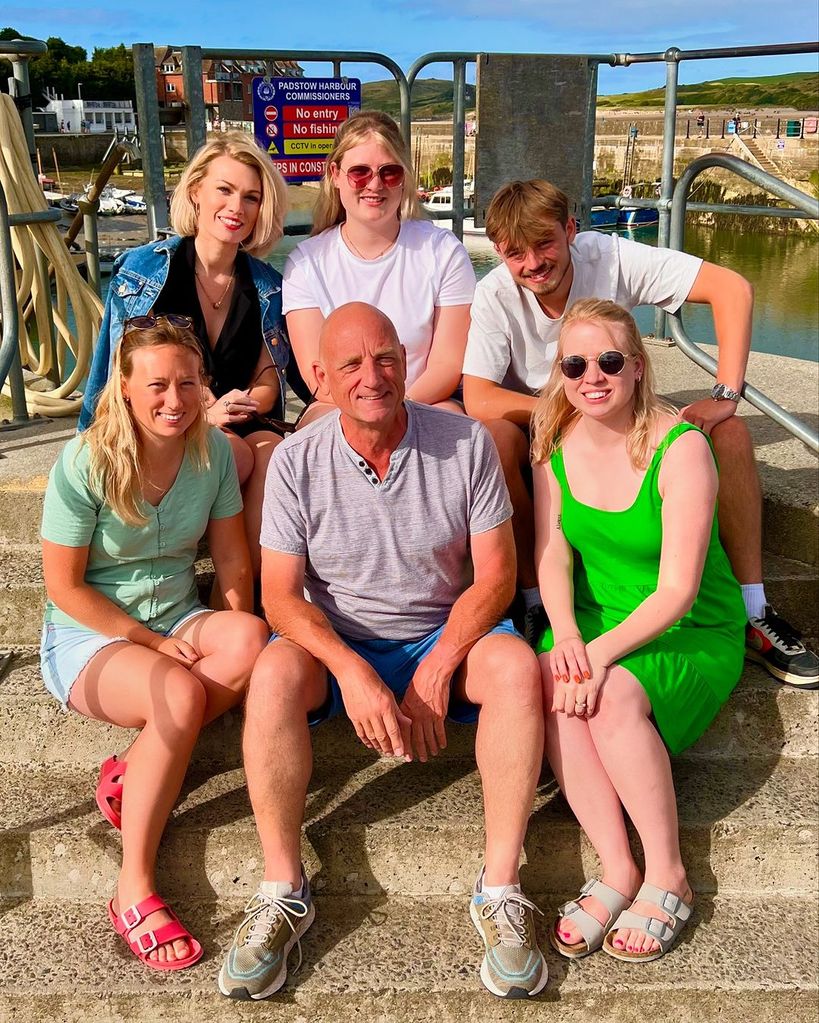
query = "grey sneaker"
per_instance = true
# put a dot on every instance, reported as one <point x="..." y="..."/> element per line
<point x="513" y="966"/>
<point x="256" y="964"/>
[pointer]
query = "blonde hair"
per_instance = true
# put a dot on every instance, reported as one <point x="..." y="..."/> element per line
<point x="362" y="127"/>
<point x="519" y="212"/>
<point x="115" y="470"/>
<point x="269" y="225"/>
<point x="554" y="413"/>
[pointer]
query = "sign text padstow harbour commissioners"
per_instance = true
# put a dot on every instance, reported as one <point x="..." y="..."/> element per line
<point x="295" y="119"/>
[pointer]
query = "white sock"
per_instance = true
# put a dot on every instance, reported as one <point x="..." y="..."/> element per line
<point x="531" y="597"/>
<point x="495" y="891"/>
<point x="754" y="596"/>
<point x="280" y="890"/>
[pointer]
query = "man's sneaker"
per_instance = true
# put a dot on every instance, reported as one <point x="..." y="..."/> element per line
<point x="513" y="966"/>
<point x="256" y="965"/>
<point x="535" y="624"/>
<point x="776" y="644"/>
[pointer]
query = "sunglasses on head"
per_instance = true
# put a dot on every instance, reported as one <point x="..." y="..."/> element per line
<point x="611" y="363"/>
<point x="359" y="176"/>
<point x="148" y="322"/>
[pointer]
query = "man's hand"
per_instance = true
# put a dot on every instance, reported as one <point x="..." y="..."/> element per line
<point x="707" y="413"/>
<point x="425" y="703"/>
<point x="374" y="713"/>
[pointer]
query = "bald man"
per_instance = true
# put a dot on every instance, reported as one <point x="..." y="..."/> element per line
<point x="380" y="510"/>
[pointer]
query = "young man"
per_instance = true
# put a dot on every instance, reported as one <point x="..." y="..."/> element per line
<point x="516" y="318"/>
<point x="376" y="509"/>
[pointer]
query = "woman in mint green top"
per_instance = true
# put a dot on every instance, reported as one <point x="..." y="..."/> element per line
<point x="125" y="639"/>
<point x="647" y="622"/>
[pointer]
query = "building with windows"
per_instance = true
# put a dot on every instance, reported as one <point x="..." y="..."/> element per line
<point x="226" y="84"/>
<point x="92" y="116"/>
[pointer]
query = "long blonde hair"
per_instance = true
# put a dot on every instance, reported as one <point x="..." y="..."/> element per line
<point x="115" y="470"/>
<point x="269" y="226"/>
<point x="365" y="126"/>
<point x="554" y="413"/>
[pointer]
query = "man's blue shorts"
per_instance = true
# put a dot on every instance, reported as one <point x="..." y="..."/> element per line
<point x="395" y="661"/>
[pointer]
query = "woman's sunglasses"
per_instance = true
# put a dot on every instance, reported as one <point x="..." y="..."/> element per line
<point x="611" y="363"/>
<point x="391" y="174"/>
<point x="149" y="322"/>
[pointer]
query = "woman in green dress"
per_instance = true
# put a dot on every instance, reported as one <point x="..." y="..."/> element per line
<point x="646" y="639"/>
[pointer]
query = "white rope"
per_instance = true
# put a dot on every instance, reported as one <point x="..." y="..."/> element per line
<point x="35" y="306"/>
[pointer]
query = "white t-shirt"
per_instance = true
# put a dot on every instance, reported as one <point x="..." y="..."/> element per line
<point x="426" y="268"/>
<point x="513" y="342"/>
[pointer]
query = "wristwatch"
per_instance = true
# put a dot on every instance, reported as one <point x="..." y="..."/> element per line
<point x="722" y="392"/>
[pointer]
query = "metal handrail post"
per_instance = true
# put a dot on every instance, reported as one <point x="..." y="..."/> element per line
<point x="10" y="365"/>
<point x="150" y="138"/>
<point x="672" y="69"/>
<point x="804" y="202"/>
<point x="22" y="97"/>
<point x="89" y="210"/>
<point x="458" y="119"/>
<point x="195" y="133"/>
<point x="587" y="187"/>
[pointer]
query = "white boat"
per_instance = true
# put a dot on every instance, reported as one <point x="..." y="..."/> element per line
<point x="441" y="201"/>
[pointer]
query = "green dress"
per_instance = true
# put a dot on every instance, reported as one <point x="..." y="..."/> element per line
<point x="690" y="670"/>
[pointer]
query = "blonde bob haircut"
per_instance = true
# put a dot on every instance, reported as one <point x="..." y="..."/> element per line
<point x="115" y="469"/>
<point x="520" y="212"/>
<point x="269" y="226"/>
<point x="365" y="126"/>
<point x="554" y="414"/>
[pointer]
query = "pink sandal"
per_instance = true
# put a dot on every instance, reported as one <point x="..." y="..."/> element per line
<point x="109" y="787"/>
<point x="147" y="942"/>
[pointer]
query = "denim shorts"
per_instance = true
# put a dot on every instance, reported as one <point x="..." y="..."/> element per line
<point x="66" y="650"/>
<point x="395" y="661"/>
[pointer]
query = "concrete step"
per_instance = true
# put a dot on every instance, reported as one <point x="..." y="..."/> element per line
<point x="761" y="720"/>
<point x="792" y="588"/>
<point x="746" y="826"/>
<point x="399" y="959"/>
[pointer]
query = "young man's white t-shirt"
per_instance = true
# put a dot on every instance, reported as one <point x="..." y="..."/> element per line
<point x="426" y="268"/>
<point x="512" y="342"/>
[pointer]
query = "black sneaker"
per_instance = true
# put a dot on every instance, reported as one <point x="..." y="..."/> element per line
<point x="779" y="647"/>
<point x="534" y="624"/>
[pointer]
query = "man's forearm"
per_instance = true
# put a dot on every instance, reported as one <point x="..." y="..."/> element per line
<point x="478" y="609"/>
<point x="303" y="623"/>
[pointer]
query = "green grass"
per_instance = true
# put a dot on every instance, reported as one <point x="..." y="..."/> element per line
<point x="431" y="98"/>
<point x="799" y="90"/>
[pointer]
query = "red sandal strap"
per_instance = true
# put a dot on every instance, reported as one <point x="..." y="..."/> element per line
<point x="131" y="917"/>
<point x="163" y="935"/>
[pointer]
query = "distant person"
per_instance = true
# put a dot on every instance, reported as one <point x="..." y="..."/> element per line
<point x="228" y="211"/>
<point x="516" y="319"/>
<point x="62" y="125"/>
<point x="380" y="511"/>
<point x="700" y="123"/>
<point x="370" y="244"/>
<point x="126" y="640"/>
<point x="646" y="620"/>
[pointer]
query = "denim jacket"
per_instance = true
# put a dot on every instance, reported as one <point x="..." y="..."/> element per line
<point x="138" y="278"/>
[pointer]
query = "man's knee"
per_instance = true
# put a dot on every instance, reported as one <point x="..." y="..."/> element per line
<point x="732" y="439"/>
<point x="505" y="671"/>
<point x="286" y="679"/>
<point x="511" y="442"/>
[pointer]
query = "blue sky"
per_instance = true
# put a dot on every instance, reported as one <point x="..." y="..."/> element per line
<point x="407" y="29"/>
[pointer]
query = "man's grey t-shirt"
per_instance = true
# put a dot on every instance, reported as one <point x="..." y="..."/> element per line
<point x="385" y="560"/>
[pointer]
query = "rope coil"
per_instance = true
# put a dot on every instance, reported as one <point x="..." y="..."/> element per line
<point x="36" y="306"/>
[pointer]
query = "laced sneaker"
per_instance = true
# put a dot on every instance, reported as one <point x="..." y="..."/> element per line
<point x="778" y="646"/>
<point x="256" y="964"/>
<point x="513" y="966"/>
<point x="535" y="623"/>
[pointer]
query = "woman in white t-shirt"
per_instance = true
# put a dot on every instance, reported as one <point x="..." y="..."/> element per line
<point x="370" y="244"/>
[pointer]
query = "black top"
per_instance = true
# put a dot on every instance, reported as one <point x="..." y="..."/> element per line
<point x="233" y="359"/>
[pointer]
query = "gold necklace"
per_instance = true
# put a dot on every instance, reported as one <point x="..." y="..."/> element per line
<point x="367" y="259"/>
<point x="208" y="296"/>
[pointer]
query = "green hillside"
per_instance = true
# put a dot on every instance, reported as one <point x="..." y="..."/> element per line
<point x="799" y="90"/>
<point x="431" y="98"/>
